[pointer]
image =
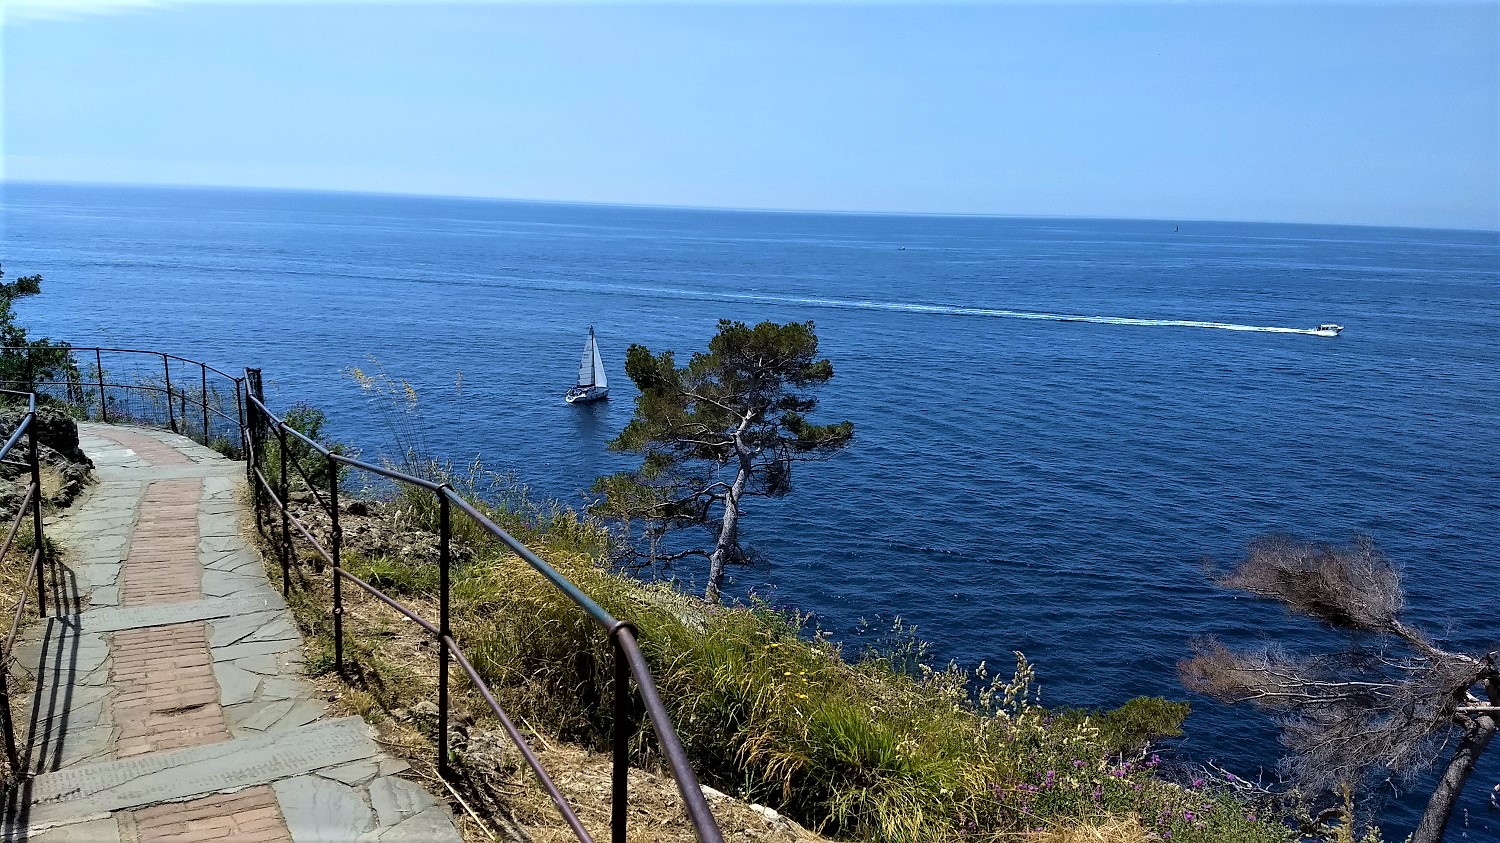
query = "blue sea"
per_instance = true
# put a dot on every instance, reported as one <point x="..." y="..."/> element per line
<point x="1018" y="482"/>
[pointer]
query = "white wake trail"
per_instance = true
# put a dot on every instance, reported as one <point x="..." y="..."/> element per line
<point x="952" y="310"/>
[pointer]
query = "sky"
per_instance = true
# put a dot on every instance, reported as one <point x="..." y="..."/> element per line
<point x="1354" y="112"/>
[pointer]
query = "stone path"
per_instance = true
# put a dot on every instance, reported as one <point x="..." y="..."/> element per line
<point x="167" y="700"/>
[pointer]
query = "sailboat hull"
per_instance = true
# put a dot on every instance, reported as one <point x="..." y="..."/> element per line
<point x="586" y="394"/>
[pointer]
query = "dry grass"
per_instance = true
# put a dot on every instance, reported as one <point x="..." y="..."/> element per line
<point x="1128" y="830"/>
<point x="391" y="668"/>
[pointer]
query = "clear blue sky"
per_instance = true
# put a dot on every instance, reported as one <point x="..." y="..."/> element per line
<point x="1350" y="113"/>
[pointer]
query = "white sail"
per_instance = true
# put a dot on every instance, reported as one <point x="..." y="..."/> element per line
<point x="601" y="380"/>
<point x="586" y="367"/>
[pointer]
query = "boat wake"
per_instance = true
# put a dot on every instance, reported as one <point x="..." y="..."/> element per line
<point x="955" y="310"/>
<point x="651" y="291"/>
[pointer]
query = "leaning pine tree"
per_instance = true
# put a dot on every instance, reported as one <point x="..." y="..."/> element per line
<point x="1389" y="705"/>
<point x="726" y="426"/>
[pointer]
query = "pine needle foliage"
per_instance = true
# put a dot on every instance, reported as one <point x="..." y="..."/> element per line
<point x="729" y="424"/>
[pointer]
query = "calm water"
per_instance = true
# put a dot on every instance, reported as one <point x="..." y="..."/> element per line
<point x="1016" y="483"/>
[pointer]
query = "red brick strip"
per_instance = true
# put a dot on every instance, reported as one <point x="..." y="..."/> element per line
<point x="248" y="816"/>
<point x="152" y="450"/>
<point x="166" y="696"/>
<point x="162" y="564"/>
<point x="165" y="693"/>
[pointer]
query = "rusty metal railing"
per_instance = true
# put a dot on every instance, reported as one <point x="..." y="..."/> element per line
<point x="31" y="502"/>
<point x="262" y="424"/>
<point x="147" y="395"/>
<point x="167" y="403"/>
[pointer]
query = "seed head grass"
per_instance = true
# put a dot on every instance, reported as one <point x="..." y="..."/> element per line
<point x="871" y="746"/>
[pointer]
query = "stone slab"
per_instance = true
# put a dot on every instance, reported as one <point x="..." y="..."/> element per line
<point x="106" y="830"/>
<point x="94" y="790"/>
<point x="111" y="619"/>
<point x="319" y="810"/>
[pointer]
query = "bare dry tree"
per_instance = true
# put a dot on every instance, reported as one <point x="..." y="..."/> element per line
<point x="1385" y="709"/>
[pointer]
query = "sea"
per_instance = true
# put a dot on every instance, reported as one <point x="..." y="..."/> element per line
<point x="1060" y="424"/>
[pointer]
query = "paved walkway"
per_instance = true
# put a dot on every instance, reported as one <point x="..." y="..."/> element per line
<point x="167" y="703"/>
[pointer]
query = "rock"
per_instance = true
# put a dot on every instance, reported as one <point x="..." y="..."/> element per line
<point x="769" y="813"/>
<point x="65" y="467"/>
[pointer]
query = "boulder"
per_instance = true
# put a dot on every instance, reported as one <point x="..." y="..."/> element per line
<point x="65" y="467"/>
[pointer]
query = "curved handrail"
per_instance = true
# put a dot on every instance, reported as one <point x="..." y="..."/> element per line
<point x="31" y="500"/>
<point x="256" y="419"/>
<point x="630" y="661"/>
<point x="77" y="348"/>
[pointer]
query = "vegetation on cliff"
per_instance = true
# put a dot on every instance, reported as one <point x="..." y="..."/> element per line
<point x="873" y="746"/>
<point x="1382" y="709"/>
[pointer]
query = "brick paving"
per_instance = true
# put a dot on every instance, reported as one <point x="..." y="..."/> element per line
<point x="247" y="816"/>
<point x="166" y="696"/>
<point x="162" y="565"/>
<point x="155" y="452"/>
<point x="165" y="693"/>
<point x="185" y="717"/>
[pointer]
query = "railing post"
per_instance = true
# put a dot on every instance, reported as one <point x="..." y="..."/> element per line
<point x="40" y="553"/>
<point x="239" y="408"/>
<point x="103" y="404"/>
<point x="445" y="559"/>
<point x="204" y="373"/>
<point x="253" y="440"/>
<point x="166" y="368"/>
<point x="619" y="796"/>
<point x="284" y="484"/>
<point x="11" y="755"/>
<point x="337" y="541"/>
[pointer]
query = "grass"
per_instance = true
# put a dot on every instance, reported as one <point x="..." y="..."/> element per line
<point x="876" y="746"/>
<point x="855" y="745"/>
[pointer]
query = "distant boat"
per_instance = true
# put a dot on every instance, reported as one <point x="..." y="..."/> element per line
<point x="593" y="383"/>
<point x="1328" y="329"/>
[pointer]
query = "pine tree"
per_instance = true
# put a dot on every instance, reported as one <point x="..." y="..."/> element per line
<point x="728" y="425"/>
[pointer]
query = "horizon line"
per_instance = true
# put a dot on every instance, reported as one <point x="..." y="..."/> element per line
<point x="720" y="208"/>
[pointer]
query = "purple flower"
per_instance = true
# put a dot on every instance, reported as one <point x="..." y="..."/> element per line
<point x="1197" y="782"/>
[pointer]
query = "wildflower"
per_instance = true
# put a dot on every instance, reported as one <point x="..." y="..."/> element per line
<point x="1079" y="764"/>
<point x="1250" y="818"/>
<point x="1197" y="783"/>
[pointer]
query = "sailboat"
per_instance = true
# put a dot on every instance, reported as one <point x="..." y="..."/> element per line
<point x="593" y="383"/>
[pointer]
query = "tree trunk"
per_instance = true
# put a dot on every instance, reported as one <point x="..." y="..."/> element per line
<point x="729" y="535"/>
<point x="1440" y="806"/>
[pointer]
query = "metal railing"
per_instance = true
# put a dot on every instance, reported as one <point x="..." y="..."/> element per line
<point x="31" y="502"/>
<point x="140" y="398"/>
<point x="137" y="387"/>
<point x="273" y="498"/>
